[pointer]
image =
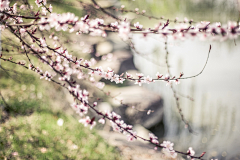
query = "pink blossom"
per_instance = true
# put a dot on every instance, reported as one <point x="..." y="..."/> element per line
<point x="102" y="120"/>
<point x="4" y="5"/>
<point x="169" y="154"/>
<point x="44" y="11"/>
<point x="138" y="26"/>
<point x="43" y="42"/>
<point x="168" y="145"/>
<point x="167" y="77"/>
<point x="87" y="121"/>
<point x="159" y="75"/>
<point x="44" y="25"/>
<point x="53" y="19"/>
<point x="115" y="116"/>
<point x="2" y="27"/>
<point x="191" y="152"/>
<point x="128" y="75"/>
<point x="148" y="79"/>
<point x="114" y="24"/>
<point x="139" y="82"/>
<point x="50" y="8"/>
<point x="115" y="127"/>
<point x="39" y="2"/>
<point x="153" y="138"/>
<point x="124" y="30"/>
<point x="82" y="109"/>
<point x="177" y="81"/>
<point x="132" y="136"/>
<point x="22" y="31"/>
<point x="15" y="8"/>
<point x="140" y="75"/>
<point x="87" y="63"/>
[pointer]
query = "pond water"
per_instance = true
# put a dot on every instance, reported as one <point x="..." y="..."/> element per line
<point x="215" y="112"/>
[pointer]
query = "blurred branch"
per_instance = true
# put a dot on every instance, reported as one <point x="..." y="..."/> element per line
<point x="203" y="66"/>
<point x="104" y="11"/>
<point x="175" y="93"/>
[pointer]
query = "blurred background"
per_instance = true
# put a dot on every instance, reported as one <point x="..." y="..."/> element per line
<point x="211" y="106"/>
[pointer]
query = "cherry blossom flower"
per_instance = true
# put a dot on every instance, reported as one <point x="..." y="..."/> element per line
<point x="139" y="82"/>
<point x="124" y="30"/>
<point x="14" y="9"/>
<point x="102" y="121"/>
<point x="168" y="145"/>
<point x="43" y="42"/>
<point x="87" y="63"/>
<point x="169" y="154"/>
<point x="159" y="75"/>
<point x="190" y="152"/>
<point x="167" y="77"/>
<point x="148" y="79"/>
<point x="128" y="75"/>
<point x="4" y="5"/>
<point x="138" y="26"/>
<point x="140" y="75"/>
<point x="47" y="76"/>
<point x="114" y="24"/>
<point x="177" y="81"/>
<point x="39" y="2"/>
<point x="2" y="27"/>
<point x="153" y="138"/>
<point x="132" y="136"/>
<point x="44" y="11"/>
<point x="22" y="31"/>
<point x="50" y="8"/>
<point x="87" y="121"/>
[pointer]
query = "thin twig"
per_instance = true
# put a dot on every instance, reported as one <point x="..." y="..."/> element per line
<point x="175" y="93"/>
<point x="104" y="11"/>
<point x="203" y="66"/>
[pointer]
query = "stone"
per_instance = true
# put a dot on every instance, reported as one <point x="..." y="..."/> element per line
<point x="137" y="101"/>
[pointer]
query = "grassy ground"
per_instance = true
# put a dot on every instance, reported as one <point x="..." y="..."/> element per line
<point x="28" y="123"/>
<point x="39" y="137"/>
<point x="28" y="114"/>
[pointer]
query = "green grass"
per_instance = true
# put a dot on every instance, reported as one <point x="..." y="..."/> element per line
<point x="30" y="130"/>
<point x="39" y="137"/>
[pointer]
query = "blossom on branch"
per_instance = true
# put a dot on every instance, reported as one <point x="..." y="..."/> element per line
<point x="4" y="5"/>
<point x="124" y="30"/>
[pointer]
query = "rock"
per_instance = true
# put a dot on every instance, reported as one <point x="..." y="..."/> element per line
<point x="104" y="106"/>
<point x="142" y="132"/>
<point x="126" y="60"/>
<point x="134" y="150"/>
<point x="104" y="48"/>
<point x="143" y="100"/>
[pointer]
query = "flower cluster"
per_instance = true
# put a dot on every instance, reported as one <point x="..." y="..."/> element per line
<point x="87" y="121"/>
<point x="168" y="150"/>
<point x="4" y="5"/>
<point x="191" y="152"/>
<point x="124" y="30"/>
<point x="108" y="75"/>
<point x="68" y="68"/>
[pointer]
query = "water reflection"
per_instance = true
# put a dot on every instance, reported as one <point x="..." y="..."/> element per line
<point x="214" y="114"/>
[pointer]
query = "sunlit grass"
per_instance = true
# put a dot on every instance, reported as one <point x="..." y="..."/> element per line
<point x="39" y="137"/>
